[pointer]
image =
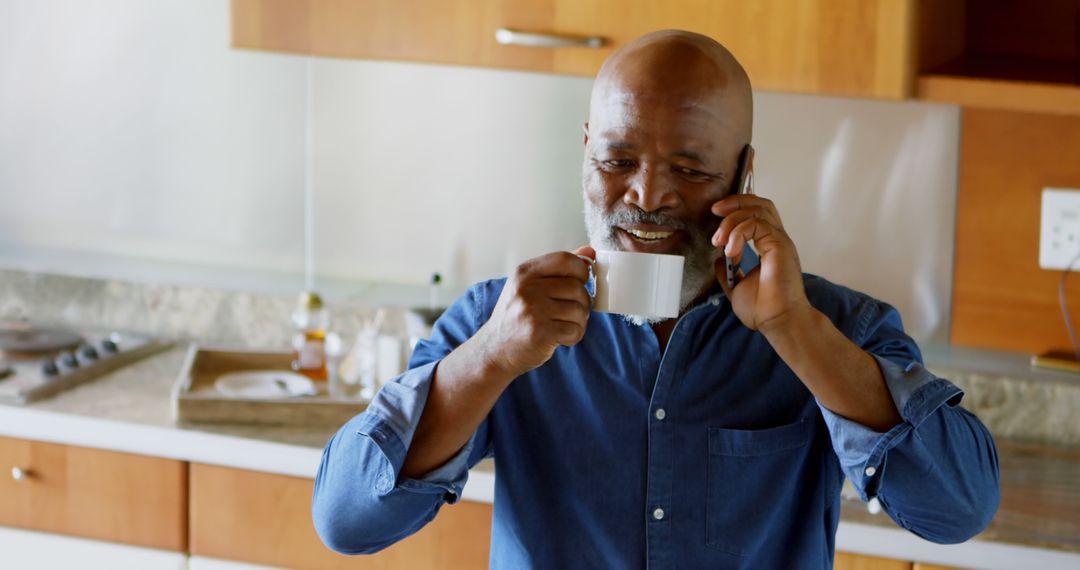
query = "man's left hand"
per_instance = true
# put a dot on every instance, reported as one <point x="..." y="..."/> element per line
<point x="772" y="293"/>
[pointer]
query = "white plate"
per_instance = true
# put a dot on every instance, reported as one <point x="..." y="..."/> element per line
<point x="264" y="384"/>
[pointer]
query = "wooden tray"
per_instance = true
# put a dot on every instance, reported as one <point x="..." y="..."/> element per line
<point x="195" y="399"/>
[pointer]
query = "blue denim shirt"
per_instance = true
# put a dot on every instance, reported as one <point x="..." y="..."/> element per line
<point x="710" y="455"/>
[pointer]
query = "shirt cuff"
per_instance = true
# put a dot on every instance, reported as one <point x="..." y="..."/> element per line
<point x="390" y="422"/>
<point x="449" y="479"/>
<point x="862" y="451"/>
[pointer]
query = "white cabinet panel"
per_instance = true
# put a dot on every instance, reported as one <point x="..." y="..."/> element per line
<point x="44" y="551"/>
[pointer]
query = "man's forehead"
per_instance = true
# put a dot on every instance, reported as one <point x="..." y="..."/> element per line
<point x="672" y="97"/>
<point x="628" y="120"/>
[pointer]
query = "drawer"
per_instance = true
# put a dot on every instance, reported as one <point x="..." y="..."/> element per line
<point x="266" y="519"/>
<point x="92" y="493"/>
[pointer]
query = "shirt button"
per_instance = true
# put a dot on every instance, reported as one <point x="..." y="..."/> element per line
<point x="658" y="514"/>
<point x="870" y="471"/>
<point x="660" y="414"/>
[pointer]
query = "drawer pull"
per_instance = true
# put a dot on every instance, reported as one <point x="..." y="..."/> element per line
<point x="507" y="36"/>
<point x="19" y="474"/>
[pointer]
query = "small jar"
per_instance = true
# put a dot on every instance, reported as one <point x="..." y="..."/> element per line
<point x="310" y="321"/>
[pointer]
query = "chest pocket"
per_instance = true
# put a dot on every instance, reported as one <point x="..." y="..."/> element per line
<point x="754" y="479"/>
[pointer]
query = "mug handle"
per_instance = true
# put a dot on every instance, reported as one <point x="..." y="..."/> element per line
<point x="590" y="285"/>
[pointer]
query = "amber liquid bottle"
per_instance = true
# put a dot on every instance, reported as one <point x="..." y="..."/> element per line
<point x="309" y="341"/>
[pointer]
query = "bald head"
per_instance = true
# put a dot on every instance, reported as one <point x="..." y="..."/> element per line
<point x="678" y="70"/>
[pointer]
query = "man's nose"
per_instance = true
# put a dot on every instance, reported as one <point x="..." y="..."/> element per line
<point x="650" y="191"/>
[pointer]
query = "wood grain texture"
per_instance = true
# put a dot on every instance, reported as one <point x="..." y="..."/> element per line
<point x="266" y="519"/>
<point x="1025" y="96"/>
<point x="838" y="47"/>
<point x="941" y="32"/>
<point x="1001" y="298"/>
<point x="848" y="561"/>
<point x="95" y="494"/>
<point x="982" y="54"/>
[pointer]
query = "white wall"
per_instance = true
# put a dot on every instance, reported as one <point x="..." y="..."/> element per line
<point x="131" y="131"/>
<point x="129" y="127"/>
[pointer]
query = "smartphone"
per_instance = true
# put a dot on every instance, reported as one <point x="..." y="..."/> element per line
<point x="743" y="184"/>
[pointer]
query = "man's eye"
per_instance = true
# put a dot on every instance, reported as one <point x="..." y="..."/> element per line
<point x="616" y="164"/>
<point x="691" y="173"/>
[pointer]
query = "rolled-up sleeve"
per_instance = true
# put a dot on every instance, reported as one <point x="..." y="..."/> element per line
<point x="361" y="503"/>
<point x="935" y="473"/>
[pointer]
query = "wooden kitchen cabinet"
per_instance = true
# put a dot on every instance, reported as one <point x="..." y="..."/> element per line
<point x="266" y="519"/>
<point x="837" y="47"/>
<point x="1001" y="54"/>
<point x="91" y="493"/>
<point x="849" y="561"/>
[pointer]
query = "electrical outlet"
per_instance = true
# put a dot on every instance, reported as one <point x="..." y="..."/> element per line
<point x="1059" y="238"/>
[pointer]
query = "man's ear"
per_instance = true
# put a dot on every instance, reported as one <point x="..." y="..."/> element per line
<point x="585" y="128"/>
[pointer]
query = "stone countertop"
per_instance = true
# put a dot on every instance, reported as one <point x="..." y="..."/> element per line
<point x="140" y="394"/>
<point x="1040" y="499"/>
<point x="130" y="410"/>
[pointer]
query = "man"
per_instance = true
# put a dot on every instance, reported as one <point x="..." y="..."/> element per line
<point x="717" y="440"/>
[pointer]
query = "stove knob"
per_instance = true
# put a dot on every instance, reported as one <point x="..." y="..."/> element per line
<point x="88" y="353"/>
<point x="108" y="346"/>
<point x="67" y="359"/>
<point x="50" y="369"/>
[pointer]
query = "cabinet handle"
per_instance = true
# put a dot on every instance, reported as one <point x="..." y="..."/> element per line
<point x="507" y="36"/>
<point x="19" y="474"/>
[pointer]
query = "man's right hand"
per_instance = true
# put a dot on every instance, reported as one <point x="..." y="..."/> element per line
<point x="543" y="305"/>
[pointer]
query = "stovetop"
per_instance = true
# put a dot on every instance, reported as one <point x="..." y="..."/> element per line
<point x="26" y="376"/>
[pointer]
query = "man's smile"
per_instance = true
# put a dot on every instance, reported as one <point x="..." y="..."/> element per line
<point x="649" y="238"/>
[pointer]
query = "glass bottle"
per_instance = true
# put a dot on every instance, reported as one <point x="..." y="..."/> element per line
<point x="310" y="320"/>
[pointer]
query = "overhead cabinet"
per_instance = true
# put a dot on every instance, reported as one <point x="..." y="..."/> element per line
<point x="1001" y="54"/>
<point x="839" y="47"/>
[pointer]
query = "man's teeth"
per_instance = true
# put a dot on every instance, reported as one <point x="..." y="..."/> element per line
<point x="648" y="235"/>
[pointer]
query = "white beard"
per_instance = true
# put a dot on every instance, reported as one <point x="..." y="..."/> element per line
<point x="698" y="273"/>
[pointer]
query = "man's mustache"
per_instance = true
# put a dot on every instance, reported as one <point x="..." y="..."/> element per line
<point x="634" y="216"/>
<point x="630" y="217"/>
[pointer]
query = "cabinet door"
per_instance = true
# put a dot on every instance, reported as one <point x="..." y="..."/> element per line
<point x="266" y="519"/>
<point x="93" y="493"/>
<point x="848" y="561"/>
<point x="839" y="47"/>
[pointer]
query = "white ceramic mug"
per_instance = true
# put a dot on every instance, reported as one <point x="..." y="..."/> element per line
<point x="632" y="283"/>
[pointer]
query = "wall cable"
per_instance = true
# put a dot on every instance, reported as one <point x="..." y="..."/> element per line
<point x="1065" y="308"/>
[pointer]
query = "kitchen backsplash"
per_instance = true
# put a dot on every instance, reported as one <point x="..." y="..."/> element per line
<point x="1014" y="405"/>
<point x="176" y="312"/>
